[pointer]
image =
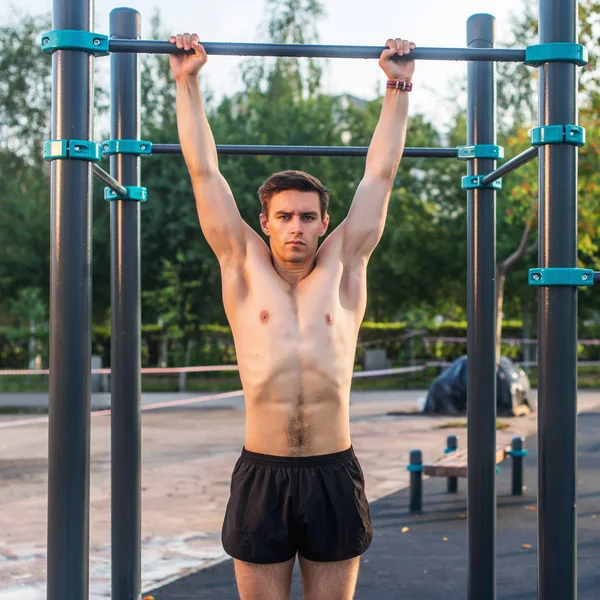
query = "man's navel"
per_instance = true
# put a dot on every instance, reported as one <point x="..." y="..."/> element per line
<point x="329" y="318"/>
<point x="264" y="316"/>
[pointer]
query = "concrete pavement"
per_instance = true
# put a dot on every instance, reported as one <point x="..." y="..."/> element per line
<point x="188" y="455"/>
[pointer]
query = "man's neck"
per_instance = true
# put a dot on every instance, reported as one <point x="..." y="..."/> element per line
<point x="293" y="273"/>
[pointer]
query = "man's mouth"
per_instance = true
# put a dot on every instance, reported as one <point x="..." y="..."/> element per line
<point x="296" y="243"/>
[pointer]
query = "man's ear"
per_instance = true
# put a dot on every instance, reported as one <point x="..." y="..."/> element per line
<point x="264" y="223"/>
<point x="324" y="225"/>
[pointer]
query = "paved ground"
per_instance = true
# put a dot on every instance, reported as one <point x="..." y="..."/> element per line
<point x="429" y="561"/>
<point x="188" y="455"/>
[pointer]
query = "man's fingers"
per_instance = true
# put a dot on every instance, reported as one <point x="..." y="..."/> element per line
<point x="187" y="41"/>
<point x="195" y="37"/>
<point x="179" y="40"/>
<point x="391" y="46"/>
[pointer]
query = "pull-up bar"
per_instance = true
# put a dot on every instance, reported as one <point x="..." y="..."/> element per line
<point x="307" y="150"/>
<point x="318" y="51"/>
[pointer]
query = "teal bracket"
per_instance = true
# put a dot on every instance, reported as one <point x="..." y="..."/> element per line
<point x="539" y="54"/>
<point x="558" y="134"/>
<point x="134" y="192"/>
<point x="517" y="453"/>
<point x="72" y="149"/>
<point x="473" y="182"/>
<point x="560" y="277"/>
<point x="139" y="147"/>
<point x="449" y="450"/>
<point x="480" y="151"/>
<point x="414" y="468"/>
<point x="75" y="39"/>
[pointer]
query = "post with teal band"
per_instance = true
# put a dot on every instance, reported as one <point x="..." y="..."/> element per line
<point x="125" y="23"/>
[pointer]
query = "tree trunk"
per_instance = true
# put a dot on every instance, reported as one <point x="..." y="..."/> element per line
<point x="188" y="356"/>
<point x="500" y="279"/>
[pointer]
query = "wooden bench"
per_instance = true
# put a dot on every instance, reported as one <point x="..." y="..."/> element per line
<point x="453" y="465"/>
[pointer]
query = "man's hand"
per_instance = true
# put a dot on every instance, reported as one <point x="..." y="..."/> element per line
<point x="187" y="65"/>
<point x="398" y="70"/>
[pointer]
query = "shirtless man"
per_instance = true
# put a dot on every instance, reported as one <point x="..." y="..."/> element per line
<point x="295" y="312"/>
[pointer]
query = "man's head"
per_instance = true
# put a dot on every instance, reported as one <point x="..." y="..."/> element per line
<point x="294" y="214"/>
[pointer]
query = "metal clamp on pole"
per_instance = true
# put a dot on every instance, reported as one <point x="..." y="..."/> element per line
<point x="539" y="54"/>
<point x="75" y="39"/>
<point x="560" y="276"/>
<point x="480" y="151"/>
<point x="72" y="149"/>
<point x="137" y="147"/>
<point x="134" y="192"/>
<point x="573" y="135"/>
<point x="475" y="182"/>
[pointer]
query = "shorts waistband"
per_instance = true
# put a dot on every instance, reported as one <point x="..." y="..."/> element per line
<point x="317" y="460"/>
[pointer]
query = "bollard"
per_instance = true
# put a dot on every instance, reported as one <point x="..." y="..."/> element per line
<point x="517" y="453"/>
<point x="416" y="481"/>
<point x="451" y="446"/>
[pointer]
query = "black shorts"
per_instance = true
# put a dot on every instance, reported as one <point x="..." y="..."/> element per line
<point x="313" y="505"/>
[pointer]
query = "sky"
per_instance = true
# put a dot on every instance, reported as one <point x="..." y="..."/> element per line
<point x="428" y="23"/>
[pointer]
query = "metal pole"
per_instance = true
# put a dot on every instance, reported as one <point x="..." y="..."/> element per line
<point x="111" y="182"/>
<point x="481" y="318"/>
<point x="70" y="317"/>
<point x="249" y="149"/>
<point x="511" y="165"/>
<point x="321" y="51"/>
<point x="126" y="320"/>
<point x="557" y="395"/>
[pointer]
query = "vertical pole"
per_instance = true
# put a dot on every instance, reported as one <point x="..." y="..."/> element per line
<point x="517" y="466"/>
<point x="481" y="318"/>
<point x="70" y="317"/>
<point x="416" y="481"/>
<point x="452" y="446"/>
<point x="126" y="320"/>
<point x="557" y="395"/>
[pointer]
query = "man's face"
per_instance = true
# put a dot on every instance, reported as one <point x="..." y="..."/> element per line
<point x="294" y="225"/>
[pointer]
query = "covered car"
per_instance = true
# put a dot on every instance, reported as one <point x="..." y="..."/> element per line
<point x="448" y="393"/>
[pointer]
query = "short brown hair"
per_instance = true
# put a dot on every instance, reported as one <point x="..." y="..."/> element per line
<point x="292" y="180"/>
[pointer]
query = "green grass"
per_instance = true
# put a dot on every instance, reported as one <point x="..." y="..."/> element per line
<point x="588" y="378"/>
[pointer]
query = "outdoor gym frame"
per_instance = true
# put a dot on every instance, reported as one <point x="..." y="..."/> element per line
<point x="70" y="294"/>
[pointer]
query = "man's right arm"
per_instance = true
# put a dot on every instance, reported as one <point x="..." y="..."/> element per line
<point x="220" y="220"/>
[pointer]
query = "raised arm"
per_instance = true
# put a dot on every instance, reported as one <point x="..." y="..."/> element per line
<point x="220" y="219"/>
<point x="363" y="227"/>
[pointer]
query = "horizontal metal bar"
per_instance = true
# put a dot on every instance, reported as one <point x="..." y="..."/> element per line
<point x="511" y="165"/>
<point x="307" y="151"/>
<point x="108" y="180"/>
<point x="319" y="51"/>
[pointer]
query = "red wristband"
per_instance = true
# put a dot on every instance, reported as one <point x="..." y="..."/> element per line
<point x="401" y="86"/>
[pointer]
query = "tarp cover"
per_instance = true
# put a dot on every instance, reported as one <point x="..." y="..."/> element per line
<point x="448" y="393"/>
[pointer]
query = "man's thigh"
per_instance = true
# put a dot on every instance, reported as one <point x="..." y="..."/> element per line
<point x="264" y="582"/>
<point x="329" y="580"/>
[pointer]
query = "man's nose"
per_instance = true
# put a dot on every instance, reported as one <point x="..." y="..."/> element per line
<point x="297" y="224"/>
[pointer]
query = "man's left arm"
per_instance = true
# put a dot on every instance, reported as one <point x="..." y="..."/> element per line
<point x="363" y="227"/>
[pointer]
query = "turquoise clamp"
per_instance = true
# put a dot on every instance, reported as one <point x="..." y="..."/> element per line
<point x="480" y="151"/>
<point x="134" y="192"/>
<point x="517" y="453"/>
<point x="75" y="39"/>
<point x="560" y="276"/>
<point x="414" y="468"/>
<point x="140" y="147"/>
<point x="558" y="134"/>
<point x="72" y="149"/>
<point x="449" y="450"/>
<point x="473" y="182"/>
<point x="539" y="54"/>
